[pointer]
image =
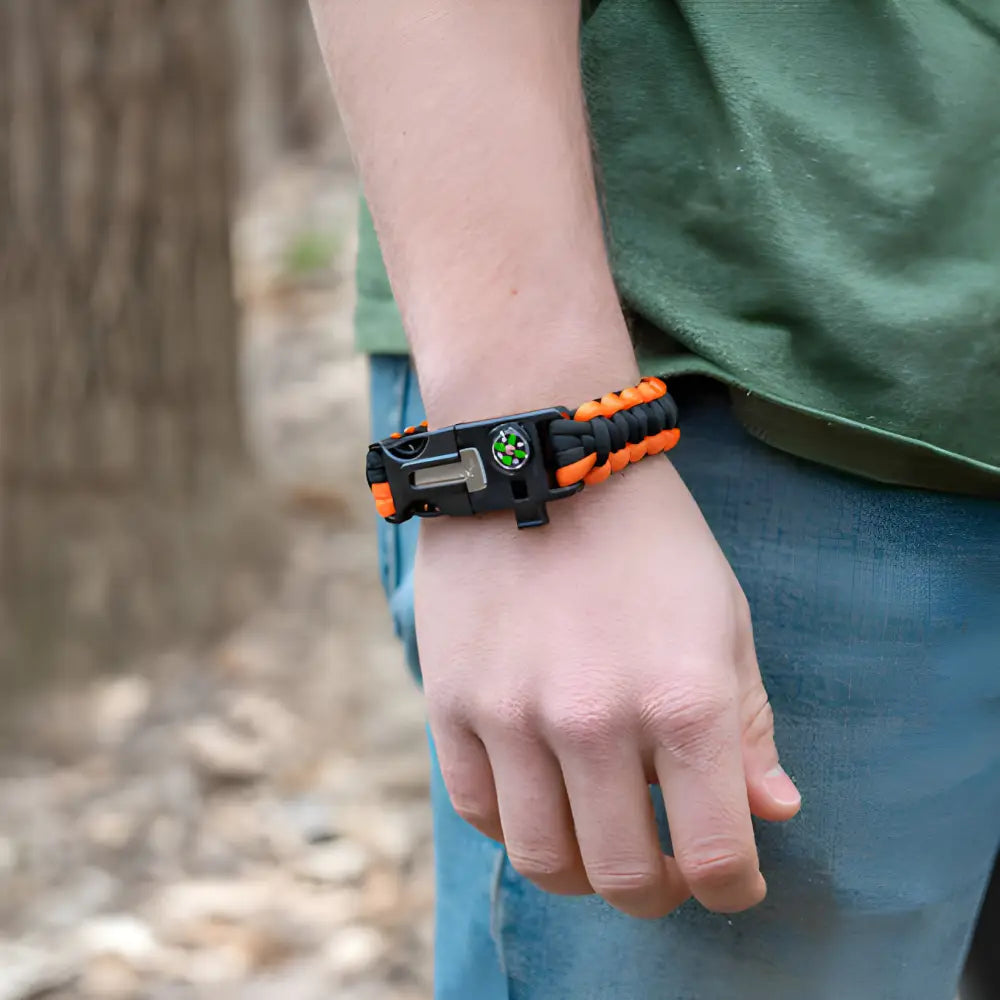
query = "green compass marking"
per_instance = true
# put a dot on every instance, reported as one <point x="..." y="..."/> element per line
<point x="510" y="448"/>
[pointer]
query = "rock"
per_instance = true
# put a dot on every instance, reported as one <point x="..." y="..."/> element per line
<point x="244" y="747"/>
<point x="270" y="943"/>
<point x="110" y="977"/>
<point x="396" y="833"/>
<point x="65" y="905"/>
<point x="232" y="830"/>
<point x="403" y="775"/>
<point x="304" y="979"/>
<point x="248" y="948"/>
<point x="109" y="828"/>
<point x="265" y="719"/>
<point x="121" y="935"/>
<point x="8" y="855"/>
<point x="213" y="967"/>
<point x="226" y="930"/>
<point x="117" y="706"/>
<point x="321" y="908"/>
<point x="222" y="755"/>
<point x="182" y="910"/>
<point x="354" y="950"/>
<point x="28" y="971"/>
<point x="311" y="818"/>
<point x="336" y="863"/>
<point x="166" y="836"/>
<point x="424" y="931"/>
<point x="245" y="657"/>
<point x="344" y="778"/>
<point x="382" y="896"/>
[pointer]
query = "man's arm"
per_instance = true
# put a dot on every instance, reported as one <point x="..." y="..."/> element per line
<point x="468" y="125"/>
<point x="554" y="696"/>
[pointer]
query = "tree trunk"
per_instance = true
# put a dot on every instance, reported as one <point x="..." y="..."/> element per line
<point x="119" y="403"/>
<point x="284" y="104"/>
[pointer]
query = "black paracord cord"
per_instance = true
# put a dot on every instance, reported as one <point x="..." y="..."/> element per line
<point x="573" y="440"/>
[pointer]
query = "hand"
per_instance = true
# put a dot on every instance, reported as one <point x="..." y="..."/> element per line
<point x="566" y="668"/>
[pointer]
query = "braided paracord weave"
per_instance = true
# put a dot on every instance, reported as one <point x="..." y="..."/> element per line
<point x="601" y="437"/>
<point x="607" y="434"/>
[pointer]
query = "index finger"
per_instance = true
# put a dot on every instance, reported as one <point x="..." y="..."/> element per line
<point x="700" y="769"/>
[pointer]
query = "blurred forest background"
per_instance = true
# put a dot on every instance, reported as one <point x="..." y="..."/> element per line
<point x="212" y="762"/>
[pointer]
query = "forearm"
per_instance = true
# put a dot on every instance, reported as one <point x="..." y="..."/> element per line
<point x="468" y="125"/>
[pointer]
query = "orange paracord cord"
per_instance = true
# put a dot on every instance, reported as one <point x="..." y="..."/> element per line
<point x="586" y="468"/>
<point x="385" y="505"/>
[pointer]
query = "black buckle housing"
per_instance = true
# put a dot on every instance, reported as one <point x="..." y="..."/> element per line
<point x="500" y="464"/>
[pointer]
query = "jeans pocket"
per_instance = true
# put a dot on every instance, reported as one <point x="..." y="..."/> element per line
<point x="395" y="404"/>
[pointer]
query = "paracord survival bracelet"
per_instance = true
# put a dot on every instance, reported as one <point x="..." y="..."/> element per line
<point x="519" y="462"/>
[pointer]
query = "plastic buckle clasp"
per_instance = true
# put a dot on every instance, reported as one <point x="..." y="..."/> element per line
<point x="475" y="468"/>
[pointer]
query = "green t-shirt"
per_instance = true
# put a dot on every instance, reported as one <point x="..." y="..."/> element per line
<point x="803" y="200"/>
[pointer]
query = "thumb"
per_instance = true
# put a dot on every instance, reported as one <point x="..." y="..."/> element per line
<point x="772" y="794"/>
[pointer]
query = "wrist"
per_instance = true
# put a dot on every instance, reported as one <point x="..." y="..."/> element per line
<point x="515" y="371"/>
<point x="638" y="495"/>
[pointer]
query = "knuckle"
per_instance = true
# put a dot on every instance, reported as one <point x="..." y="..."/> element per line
<point x="742" y="614"/>
<point x="716" y="868"/>
<point x="478" y="811"/>
<point x="577" y="727"/>
<point x="690" y="720"/>
<point x="507" y="715"/>
<point x="474" y="805"/>
<point x="620" y="882"/>
<point x="445" y="705"/>
<point x="759" y="714"/>
<point x="537" y="863"/>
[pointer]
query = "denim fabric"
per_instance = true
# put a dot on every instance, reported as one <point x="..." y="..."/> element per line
<point x="395" y="399"/>
<point x="877" y="622"/>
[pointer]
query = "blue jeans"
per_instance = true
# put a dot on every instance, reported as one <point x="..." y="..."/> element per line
<point x="877" y="623"/>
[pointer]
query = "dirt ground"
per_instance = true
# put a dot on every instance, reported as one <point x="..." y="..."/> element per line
<point x="247" y="820"/>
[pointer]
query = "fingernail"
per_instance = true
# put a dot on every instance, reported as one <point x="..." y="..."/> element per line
<point x="781" y="787"/>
